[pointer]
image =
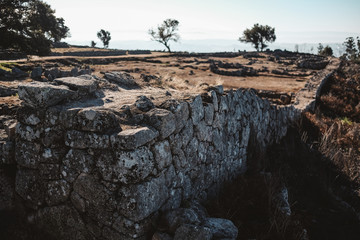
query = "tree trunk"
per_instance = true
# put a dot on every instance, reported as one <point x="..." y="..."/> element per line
<point x="168" y="47"/>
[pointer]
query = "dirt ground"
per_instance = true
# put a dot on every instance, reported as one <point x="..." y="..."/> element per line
<point x="189" y="71"/>
<point x="181" y="73"/>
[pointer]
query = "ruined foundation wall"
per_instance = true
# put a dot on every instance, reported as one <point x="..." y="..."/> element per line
<point x="84" y="174"/>
<point x="79" y="164"/>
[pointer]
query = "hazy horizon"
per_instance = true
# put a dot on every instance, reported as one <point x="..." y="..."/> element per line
<point x="296" y="22"/>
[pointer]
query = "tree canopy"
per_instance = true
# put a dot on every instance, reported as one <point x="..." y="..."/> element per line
<point x="30" y="26"/>
<point x="259" y="35"/>
<point x="166" y="32"/>
<point x="325" y="51"/>
<point x="105" y="37"/>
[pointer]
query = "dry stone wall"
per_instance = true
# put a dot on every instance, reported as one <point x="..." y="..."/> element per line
<point x="79" y="164"/>
<point x="85" y="173"/>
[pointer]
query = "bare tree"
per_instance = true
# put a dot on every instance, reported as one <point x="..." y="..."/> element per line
<point x="166" y="32"/>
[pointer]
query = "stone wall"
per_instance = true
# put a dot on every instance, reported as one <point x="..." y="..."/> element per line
<point x="86" y="172"/>
<point x="101" y="53"/>
<point x="78" y="163"/>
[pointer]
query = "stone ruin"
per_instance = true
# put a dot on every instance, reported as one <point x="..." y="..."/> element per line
<point x="90" y="170"/>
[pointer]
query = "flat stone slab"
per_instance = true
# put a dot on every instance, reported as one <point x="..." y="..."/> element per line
<point x="76" y="83"/>
<point x="133" y="138"/>
<point x="39" y="94"/>
<point x="120" y="78"/>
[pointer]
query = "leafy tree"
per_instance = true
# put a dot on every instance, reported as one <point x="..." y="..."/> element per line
<point x="166" y="32"/>
<point x="259" y="35"/>
<point x="326" y="51"/>
<point x="30" y="26"/>
<point x="93" y="44"/>
<point x="105" y="37"/>
<point x="350" y="48"/>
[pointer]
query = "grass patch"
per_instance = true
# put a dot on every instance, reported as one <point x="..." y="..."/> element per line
<point x="7" y="66"/>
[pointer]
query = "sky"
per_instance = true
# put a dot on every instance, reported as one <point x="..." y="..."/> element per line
<point x="301" y="21"/>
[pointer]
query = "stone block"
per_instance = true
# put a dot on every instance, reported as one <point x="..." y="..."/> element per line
<point x="196" y="110"/>
<point x="162" y="154"/>
<point x="43" y="95"/>
<point x="190" y="232"/>
<point x="28" y="154"/>
<point x="57" y="192"/>
<point x="163" y="120"/>
<point x="181" y="113"/>
<point x="28" y="133"/>
<point x="97" y="120"/>
<point x="221" y="228"/>
<point x="126" y="167"/>
<point x="141" y="200"/>
<point x="133" y="138"/>
<point x="49" y="171"/>
<point x="83" y="140"/>
<point x="76" y="162"/>
<point x="204" y="132"/>
<point x="36" y="73"/>
<point x="209" y="113"/>
<point x="82" y="85"/>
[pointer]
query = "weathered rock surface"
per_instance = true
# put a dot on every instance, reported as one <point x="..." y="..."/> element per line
<point x="82" y="176"/>
<point x="36" y="73"/>
<point x="144" y="104"/>
<point x="221" y="228"/>
<point x="126" y="167"/>
<point x="133" y="138"/>
<point x="189" y="232"/>
<point x="43" y="95"/>
<point x="120" y="78"/>
<point x="82" y="85"/>
<point x="162" y="120"/>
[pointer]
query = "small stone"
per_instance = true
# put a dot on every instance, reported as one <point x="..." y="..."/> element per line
<point x="36" y="73"/>
<point x="180" y="216"/>
<point x="18" y="72"/>
<point x="144" y="104"/>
